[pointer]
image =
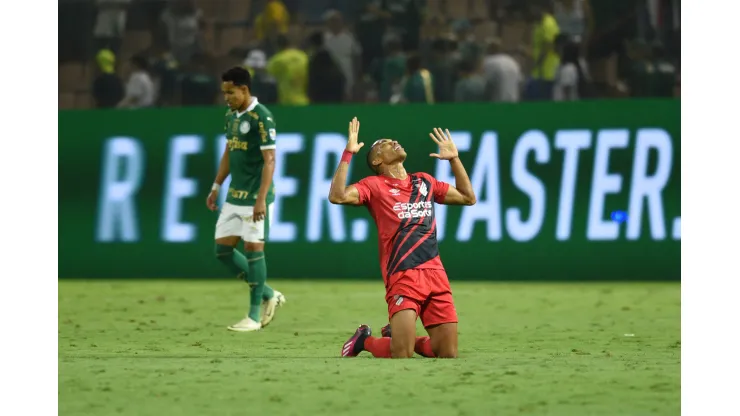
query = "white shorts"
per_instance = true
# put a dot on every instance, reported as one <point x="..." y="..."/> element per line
<point x="236" y="220"/>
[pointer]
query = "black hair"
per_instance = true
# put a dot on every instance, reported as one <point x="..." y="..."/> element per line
<point x="439" y="45"/>
<point x="393" y="45"/>
<point x="467" y="66"/>
<point x="572" y="55"/>
<point x="282" y="41"/>
<point x="140" y="61"/>
<point x="369" y="158"/>
<point x="316" y="39"/>
<point x="239" y="76"/>
<point x="413" y="63"/>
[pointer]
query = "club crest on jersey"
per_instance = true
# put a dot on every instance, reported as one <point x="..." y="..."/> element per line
<point x="422" y="189"/>
<point x="394" y="192"/>
<point x="244" y="127"/>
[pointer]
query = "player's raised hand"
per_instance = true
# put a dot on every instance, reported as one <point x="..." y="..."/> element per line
<point x="211" y="200"/>
<point x="354" y="130"/>
<point x="447" y="148"/>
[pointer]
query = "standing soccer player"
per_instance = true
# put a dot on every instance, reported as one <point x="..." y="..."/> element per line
<point x="402" y="205"/>
<point x="247" y="213"/>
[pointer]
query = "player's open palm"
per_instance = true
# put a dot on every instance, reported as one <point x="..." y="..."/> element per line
<point x="354" y="130"/>
<point x="447" y="148"/>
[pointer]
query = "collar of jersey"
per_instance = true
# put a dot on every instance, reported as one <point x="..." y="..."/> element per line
<point x="252" y="104"/>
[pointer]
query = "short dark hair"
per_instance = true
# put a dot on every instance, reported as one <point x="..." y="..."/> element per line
<point x="467" y="65"/>
<point x="369" y="158"/>
<point x="239" y="76"/>
<point x="140" y="61"/>
<point x="282" y="41"/>
<point x="413" y="63"/>
<point x="316" y="39"/>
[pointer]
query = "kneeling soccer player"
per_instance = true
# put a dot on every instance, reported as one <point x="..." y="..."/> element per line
<point x="402" y="205"/>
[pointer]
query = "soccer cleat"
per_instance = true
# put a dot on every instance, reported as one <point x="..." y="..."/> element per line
<point x="356" y="344"/>
<point x="246" y="325"/>
<point x="386" y="331"/>
<point x="270" y="306"/>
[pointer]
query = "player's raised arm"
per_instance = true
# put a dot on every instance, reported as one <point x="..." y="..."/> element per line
<point x="462" y="193"/>
<point x="223" y="172"/>
<point x="339" y="193"/>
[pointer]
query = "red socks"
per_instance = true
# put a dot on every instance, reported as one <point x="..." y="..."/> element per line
<point x="378" y="347"/>
<point x="381" y="347"/>
<point x="423" y="347"/>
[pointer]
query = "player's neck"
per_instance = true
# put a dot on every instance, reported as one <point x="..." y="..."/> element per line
<point x="396" y="172"/>
<point x="244" y="106"/>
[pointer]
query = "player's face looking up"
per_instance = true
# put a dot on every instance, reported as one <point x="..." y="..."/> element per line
<point x="234" y="95"/>
<point x="386" y="152"/>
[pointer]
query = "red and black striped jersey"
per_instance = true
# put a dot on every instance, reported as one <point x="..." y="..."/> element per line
<point x="403" y="211"/>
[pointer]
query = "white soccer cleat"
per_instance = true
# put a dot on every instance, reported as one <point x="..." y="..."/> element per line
<point x="270" y="306"/>
<point x="246" y="325"/>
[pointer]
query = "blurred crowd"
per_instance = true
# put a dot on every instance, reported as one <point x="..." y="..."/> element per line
<point x="144" y="53"/>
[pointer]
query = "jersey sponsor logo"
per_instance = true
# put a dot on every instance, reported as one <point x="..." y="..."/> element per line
<point x="244" y="127"/>
<point x="237" y="194"/>
<point x="394" y="192"/>
<point x="413" y="210"/>
<point x="235" y="144"/>
<point x="263" y="132"/>
<point x="273" y="133"/>
<point x="422" y="189"/>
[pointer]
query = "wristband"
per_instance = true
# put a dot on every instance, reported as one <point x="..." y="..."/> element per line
<point x="346" y="156"/>
<point x="215" y="187"/>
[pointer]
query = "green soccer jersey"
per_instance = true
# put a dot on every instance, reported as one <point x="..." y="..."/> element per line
<point x="248" y="134"/>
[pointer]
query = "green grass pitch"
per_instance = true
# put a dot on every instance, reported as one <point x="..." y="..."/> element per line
<point x="162" y="348"/>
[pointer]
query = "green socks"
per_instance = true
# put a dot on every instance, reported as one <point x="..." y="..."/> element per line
<point x="251" y="265"/>
<point x="232" y="259"/>
<point x="256" y="278"/>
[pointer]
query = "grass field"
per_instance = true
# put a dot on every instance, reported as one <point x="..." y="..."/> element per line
<point x="162" y="348"/>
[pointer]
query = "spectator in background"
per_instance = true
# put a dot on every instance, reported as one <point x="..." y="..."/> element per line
<point x="467" y="44"/>
<point x="264" y="85"/>
<point x="273" y="21"/>
<point x="545" y="57"/>
<point x="110" y="24"/>
<point x="107" y="88"/>
<point x="341" y="43"/>
<point x="370" y="29"/>
<point x="574" y="18"/>
<point x="140" y="92"/>
<point x="470" y="87"/>
<point x="290" y="68"/>
<point x="569" y="74"/>
<point x="417" y="86"/>
<point x="442" y="68"/>
<point x="183" y="23"/>
<point x="325" y="77"/>
<point x="502" y="74"/>
<point x="199" y="87"/>
<point x="164" y="70"/>
<point x="652" y="75"/>
<point x="390" y="70"/>
<point x="405" y="21"/>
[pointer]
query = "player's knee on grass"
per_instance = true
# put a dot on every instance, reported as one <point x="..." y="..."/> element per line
<point x="404" y="333"/>
<point x="444" y="340"/>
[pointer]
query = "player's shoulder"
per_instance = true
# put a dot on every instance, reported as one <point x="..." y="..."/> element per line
<point x="371" y="181"/>
<point x="229" y="113"/>
<point x="423" y="175"/>
<point x="262" y="112"/>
